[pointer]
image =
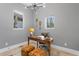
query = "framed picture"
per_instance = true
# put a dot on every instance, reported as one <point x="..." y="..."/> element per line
<point x="18" y="20"/>
<point x="50" y="22"/>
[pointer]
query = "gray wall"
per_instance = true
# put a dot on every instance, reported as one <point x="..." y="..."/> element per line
<point x="7" y="34"/>
<point x="67" y="24"/>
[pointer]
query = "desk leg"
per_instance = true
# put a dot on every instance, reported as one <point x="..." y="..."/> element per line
<point x="28" y="41"/>
<point x="49" y="49"/>
<point x="37" y="44"/>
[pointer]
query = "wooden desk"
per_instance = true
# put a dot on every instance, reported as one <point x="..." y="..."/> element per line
<point x="47" y="41"/>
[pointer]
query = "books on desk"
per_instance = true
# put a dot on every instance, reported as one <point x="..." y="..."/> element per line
<point x="41" y="37"/>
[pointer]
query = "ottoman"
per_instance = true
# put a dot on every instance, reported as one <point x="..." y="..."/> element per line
<point x="26" y="49"/>
<point x="38" y="52"/>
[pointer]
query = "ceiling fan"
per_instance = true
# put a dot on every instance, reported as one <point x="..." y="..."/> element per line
<point x="34" y="5"/>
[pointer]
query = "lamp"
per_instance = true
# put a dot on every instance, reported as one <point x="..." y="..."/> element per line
<point x="31" y="30"/>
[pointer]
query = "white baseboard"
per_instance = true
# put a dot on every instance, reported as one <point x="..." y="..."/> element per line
<point x="75" y="52"/>
<point x="12" y="47"/>
<point x="54" y="46"/>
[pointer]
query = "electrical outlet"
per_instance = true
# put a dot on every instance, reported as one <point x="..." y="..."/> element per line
<point x="6" y="43"/>
<point x="65" y="44"/>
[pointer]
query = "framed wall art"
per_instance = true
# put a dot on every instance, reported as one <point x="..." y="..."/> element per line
<point x="18" y="20"/>
<point x="50" y="22"/>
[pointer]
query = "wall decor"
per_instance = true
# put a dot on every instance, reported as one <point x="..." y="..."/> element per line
<point x="40" y="24"/>
<point x="50" y="22"/>
<point x="36" y="22"/>
<point x="18" y="20"/>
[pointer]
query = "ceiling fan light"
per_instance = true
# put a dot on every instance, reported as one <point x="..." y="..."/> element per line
<point x="44" y="6"/>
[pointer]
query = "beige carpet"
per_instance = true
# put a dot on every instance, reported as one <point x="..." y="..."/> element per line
<point x="17" y="52"/>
